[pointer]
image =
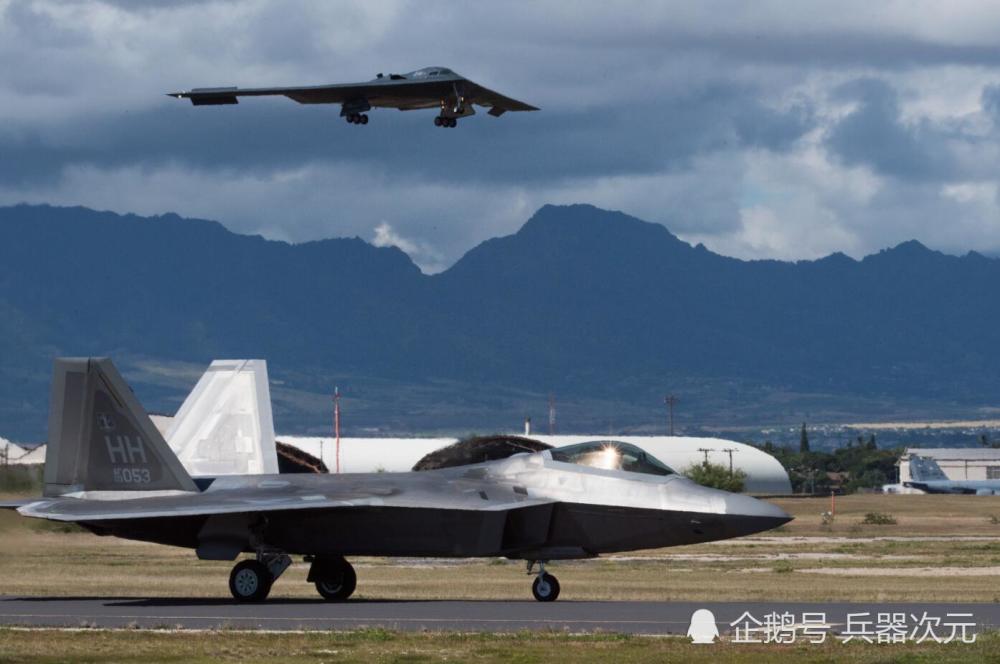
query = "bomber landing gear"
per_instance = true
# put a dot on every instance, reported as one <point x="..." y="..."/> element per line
<point x="334" y="577"/>
<point x="442" y="121"/>
<point x="545" y="587"/>
<point x="357" y="118"/>
<point x="251" y="580"/>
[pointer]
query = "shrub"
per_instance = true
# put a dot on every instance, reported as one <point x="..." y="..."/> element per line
<point x="782" y="567"/>
<point x="879" y="519"/>
<point x="717" y="476"/>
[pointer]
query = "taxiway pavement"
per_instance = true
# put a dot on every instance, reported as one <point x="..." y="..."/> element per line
<point x="464" y="616"/>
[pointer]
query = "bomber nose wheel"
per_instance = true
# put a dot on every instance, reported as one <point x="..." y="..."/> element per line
<point x="250" y="581"/>
<point x="335" y="579"/>
<point x="545" y="588"/>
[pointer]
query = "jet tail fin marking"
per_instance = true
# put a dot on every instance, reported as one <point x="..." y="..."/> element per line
<point x="926" y="469"/>
<point x="100" y="437"/>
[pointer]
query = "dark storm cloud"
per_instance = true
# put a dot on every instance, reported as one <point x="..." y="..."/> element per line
<point x="839" y="49"/>
<point x="874" y="135"/>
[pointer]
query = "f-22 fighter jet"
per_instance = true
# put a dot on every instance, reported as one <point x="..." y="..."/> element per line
<point x="430" y="87"/>
<point x="110" y="471"/>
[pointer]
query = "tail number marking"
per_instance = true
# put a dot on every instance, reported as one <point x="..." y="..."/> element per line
<point x="131" y="475"/>
<point x="124" y="449"/>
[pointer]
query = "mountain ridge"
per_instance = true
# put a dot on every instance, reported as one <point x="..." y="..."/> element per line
<point x="599" y="306"/>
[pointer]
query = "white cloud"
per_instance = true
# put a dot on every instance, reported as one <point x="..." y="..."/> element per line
<point x="423" y="254"/>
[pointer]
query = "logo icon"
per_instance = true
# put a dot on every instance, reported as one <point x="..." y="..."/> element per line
<point x="105" y="422"/>
<point x="703" y="628"/>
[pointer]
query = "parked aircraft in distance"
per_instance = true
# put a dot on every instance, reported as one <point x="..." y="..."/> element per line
<point x="109" y="470"/>
<point x="431" y="87"/>
<point x="929" y="478"/>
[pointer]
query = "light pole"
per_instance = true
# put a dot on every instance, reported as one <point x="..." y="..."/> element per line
<point x="670" y="400"/>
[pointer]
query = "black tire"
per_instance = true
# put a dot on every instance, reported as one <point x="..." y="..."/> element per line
<point x="545" y="588"/>
<point x="452" y="123"/>
<point x="250" y="581"/>
<point x="340" y="586"/>
<point x="438" y="121"/>
<point x="364" y="119"/>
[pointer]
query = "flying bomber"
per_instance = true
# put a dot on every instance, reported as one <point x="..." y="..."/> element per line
<point x="431" y="87"/>
<point x="109" y="470"/>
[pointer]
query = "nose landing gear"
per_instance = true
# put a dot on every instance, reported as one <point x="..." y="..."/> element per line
<point x="545" y="587"/>
<point x="251" y="580"/>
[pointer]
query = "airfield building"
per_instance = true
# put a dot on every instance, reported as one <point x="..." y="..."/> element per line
<point x="958" y="463"/>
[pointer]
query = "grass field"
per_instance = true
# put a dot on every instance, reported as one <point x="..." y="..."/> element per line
<point x="381" y="646"/>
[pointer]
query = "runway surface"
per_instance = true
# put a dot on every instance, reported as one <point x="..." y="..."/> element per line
<point x="465" y="616"/>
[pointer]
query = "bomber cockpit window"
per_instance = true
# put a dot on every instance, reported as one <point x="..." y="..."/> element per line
<point x="612" y="455"/>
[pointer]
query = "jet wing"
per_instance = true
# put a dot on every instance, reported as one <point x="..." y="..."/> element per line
<point x="15" y="504"/>
<point x="387" y="93"/>
<point x="319" y="94"/>
<point x="499" y="103"/>
<point x="272" y="495"/>
<point x="377" y="93"/>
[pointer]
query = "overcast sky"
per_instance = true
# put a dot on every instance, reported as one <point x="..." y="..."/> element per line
<point x="779" y="130"/>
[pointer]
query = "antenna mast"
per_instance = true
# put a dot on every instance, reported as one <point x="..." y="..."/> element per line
<point x="670" y="400"/>
<point x="336" y="423"/>
<point x="552" y="414"/>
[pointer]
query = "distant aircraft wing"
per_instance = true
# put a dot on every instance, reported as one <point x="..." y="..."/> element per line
<point x="386" y="93"/>
<point x="318" y="94"/>
<point x="499" y="103"/>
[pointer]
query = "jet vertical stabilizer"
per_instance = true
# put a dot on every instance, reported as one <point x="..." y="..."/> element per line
<point x="926" y="469"/>
<point x="100" y="437"/>
<point x="225" y="425"/>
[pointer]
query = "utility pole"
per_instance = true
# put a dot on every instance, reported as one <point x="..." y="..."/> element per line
<point x="730" y="452"/>
<point x="705" y="451"/>
<point x="552" y="414"/>
<point x="336" y="423"/>
<point x="670" y="400"/>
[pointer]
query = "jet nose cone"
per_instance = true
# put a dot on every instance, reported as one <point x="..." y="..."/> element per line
<point x="751" y="515"/>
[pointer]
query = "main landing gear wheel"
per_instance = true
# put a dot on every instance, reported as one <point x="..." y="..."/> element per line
<point x="545" y="588"/>
<point x="441" y="121"/>
<point x="335" y="580"/>
<point x="250" y="581"/>
<point x="357" y="118"/>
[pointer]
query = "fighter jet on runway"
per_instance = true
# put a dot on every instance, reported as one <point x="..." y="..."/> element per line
<point x="929" y="478"/>
<point x="109" y="470"/>
<point x="430" y="87"/>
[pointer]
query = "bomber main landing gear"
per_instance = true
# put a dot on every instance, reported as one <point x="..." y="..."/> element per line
<point x="545" y="587"/>
<point x="442" y="121"/>
<point x="357" y="118"/>
<point x="334" y="577"/>
<point x="251" y="580"/>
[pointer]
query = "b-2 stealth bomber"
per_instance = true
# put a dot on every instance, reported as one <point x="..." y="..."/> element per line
<point x="430" y="87"/>
<point x="109" y="470"/>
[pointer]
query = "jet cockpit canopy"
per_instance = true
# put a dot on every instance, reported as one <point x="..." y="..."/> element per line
<point x="612" y="455"/>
